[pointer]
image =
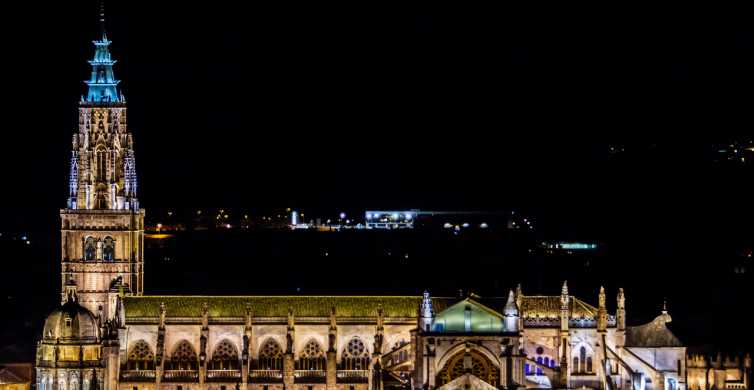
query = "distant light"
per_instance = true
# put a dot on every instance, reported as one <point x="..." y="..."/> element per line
<point x="465" y="224"/>
<point x="342" y="215"/>
<point x="369" y="215"/>
<point x="483" y="225"/>
<point x="408" y="216"/>
<point x="227" y="226"/>
<point x="576" y="245"/>
<point x="394" y="216"/>
<point x="447" y="225"/>
<point x="23" y="238"/>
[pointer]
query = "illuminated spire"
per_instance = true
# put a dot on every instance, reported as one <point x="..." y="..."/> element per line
<point x="426" y="312"/>
<point x="103" y="87"/>
<point x="511" y="309"/>
<point x="102" y="19"/>
<point x="602" y="311"/>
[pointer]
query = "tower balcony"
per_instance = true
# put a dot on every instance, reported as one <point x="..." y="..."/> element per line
<point x="109" y="104"/>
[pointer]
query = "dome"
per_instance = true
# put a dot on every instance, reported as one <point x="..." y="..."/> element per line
<point x="71" y="323"/>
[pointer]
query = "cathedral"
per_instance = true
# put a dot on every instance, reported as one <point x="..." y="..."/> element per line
<point x="108" y="334"/>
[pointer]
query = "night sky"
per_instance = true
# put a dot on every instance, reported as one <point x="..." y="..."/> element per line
<point x="354" y="106"/>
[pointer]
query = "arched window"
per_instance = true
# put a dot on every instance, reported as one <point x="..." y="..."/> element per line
<point x="225" y="357"/>
<point x="481" y="367"/>
<point x="582" y="356"/>
<point x="575" y="368"/>
<point x="547" y="361"/>
<point x="526" y="368"/>
<point x="101" y="165"/>
<point x="589" y="364"/>
<point x="140" y="357"/>
<point x="183" y="357"/>
<point x="539" y="359"/>
<point x="270" y="356"/>
<point x="90" y="248"/>
<point x="311" y="357"/>
<point x="355" y="356"/>
<point x="108" y="249"/>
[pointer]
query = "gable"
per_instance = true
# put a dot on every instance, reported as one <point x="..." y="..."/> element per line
<point x="468" y="316"/>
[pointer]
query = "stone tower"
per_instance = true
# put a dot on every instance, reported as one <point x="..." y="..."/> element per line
<point x="102" y="224"/>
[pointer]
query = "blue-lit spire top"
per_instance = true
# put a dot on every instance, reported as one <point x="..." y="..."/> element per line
<point x="103" y="87"/>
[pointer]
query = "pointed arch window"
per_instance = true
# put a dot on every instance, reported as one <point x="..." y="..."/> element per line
<point x="589" y="364"/>
<point x="101" y="165"/>
<point x="575" y="368"/>
<point x="140" y="357"/>
<point x="90" y="248"/>
<point x="582" y="358"/>
<point x="225" y="357"/>
<point x="270" y="356"/>
<point x="108" y="249"/>
<point x="183" y="357"/>
<point x="355" y="355"/>
<point x="311" y="357"/>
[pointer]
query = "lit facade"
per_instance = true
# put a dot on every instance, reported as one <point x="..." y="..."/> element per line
<point x="102" y="225"/>
<point x="108" y="335"/>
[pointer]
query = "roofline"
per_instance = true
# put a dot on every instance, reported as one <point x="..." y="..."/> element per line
<point x="278" y="296"/>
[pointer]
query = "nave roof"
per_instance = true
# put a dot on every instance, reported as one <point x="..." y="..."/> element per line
<point x="189" y="306"/>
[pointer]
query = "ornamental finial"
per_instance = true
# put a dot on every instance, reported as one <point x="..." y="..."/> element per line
<point x="102" y="19"/>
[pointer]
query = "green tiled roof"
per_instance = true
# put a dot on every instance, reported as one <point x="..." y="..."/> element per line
<point x="549" y="307"/>
<point x="320" y="306"/>
<point x="276" y="306"/>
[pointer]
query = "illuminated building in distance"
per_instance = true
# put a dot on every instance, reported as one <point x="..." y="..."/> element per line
<point x="390" y="219"/>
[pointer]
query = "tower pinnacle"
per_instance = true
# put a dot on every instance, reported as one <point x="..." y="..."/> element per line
<point x="102" y="18"/>
<point x="103" y="87"/>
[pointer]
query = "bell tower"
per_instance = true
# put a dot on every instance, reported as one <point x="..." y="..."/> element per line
<point x="102" y="226"/>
